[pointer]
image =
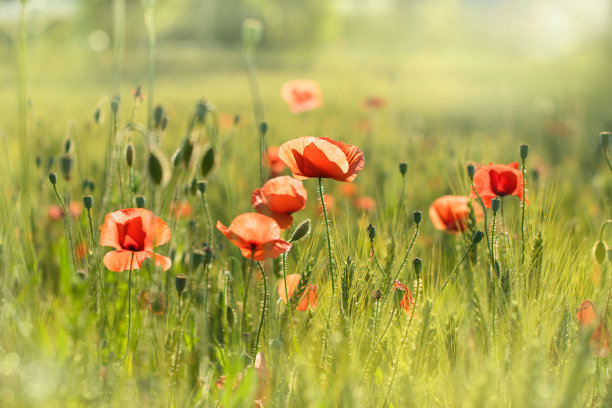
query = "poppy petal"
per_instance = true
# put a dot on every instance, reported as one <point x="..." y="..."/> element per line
<point x="293" y="281"/>
<point x="119" y="261"/>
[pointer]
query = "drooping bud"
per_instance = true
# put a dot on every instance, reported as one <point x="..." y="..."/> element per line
<point x="85" y="184"/>
<point x="88" y="202"/>
<point x="524" y="151"/>
<point x="403" y="168"/>
<point x="164" y="123"/>
<point x="495" y="204"/>
<point x="129" y="154"/>
<point x="193" y="188"/>
<point x="180" y="283"/>
<point x="599" y="251"/>
<point x="377" y="294"/>
<point x="92" y="186"/>
<point x="418" y="264"/>
<point x="140" y="201"/>
<point x="202" y="187"/>
<point x="66" y="163"/>
<point x="604" y="140"/>
<point x="417" y="216"/>
<point x="477" y="237"/>
<point x="301" y="231"/>
<point x="470" y="171"/>
<point x="229" y="314"/>
<point x="159" y="114"/>
<point x="371" y="232"/>
<point x="186" y="152"/>
<point x="97" y="115"/>
<point x="53" y="178"/>
<point x="207" y="162"/>
<point x="157" y="167"/>
<point x="252" y="32"/>
<point x="67" y="145"/>
<point x="263" y="128"/>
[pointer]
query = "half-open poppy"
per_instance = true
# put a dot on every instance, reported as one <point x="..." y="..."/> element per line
<point x="279" y="198"/>
<point x="498" y="180"/>
<point x="589" y="318"/>
<point x="133" y="232"/>
<point x="450" y="213"/>
<point x="309" y="297"/>
<point x="302" y="95"/>
<point x="310" y="156"/>
<point x="407" y="300"/>
<point x="256" y="235"/>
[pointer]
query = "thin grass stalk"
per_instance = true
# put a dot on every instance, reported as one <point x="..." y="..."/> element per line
<point x="524" y="170"/>
<point x="149" y="17"/>
<point x="127" y="347"/>
<point x="245" y="297"/>
<point x="329" y="243"/>
<point x="452" y="274"/>
<point x="263" y="311"/>
<point x="289" y="312"/>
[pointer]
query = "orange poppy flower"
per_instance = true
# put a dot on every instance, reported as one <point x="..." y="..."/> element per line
<point x="348" y="189"/>
<point x="589" y="317"/>
<point x="365" y="203"/>
<point x="374" y="102"/>
<point x="302" y="95"/>
<point x="309" y="297"/>
<point x="310" y="156"/>
<point x="75" y="208"/>
<point x="278" y="198"/>
<point x="407" y="300"/>
<point x="450" y="213"/>
<point x="330" y="204"/>
<point x="133" y="231"/>
<point x="181" y="210"/>
<point x="498" y="180"/>
<point x="255" y="232"/>
<point x="274" y="162"/>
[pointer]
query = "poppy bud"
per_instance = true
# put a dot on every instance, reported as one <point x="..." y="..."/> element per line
<point x="180" y="282"/>
<point x="263" y="128"/>
<point x="398" y="295"/>
<point x="477" y="237"/>
<point x="207" y="162"/>
<point x="85" y="184"/>
<point x="403" y="168"/>
<point x="129" y="154"/>
<point x="38" y="161"/>
<point x="236" y="119"/>
<point x="495" y="204"/>
<point x="97" y="115"/>
<point x="229" y="313"/>
<point x="371" y="232"/>
<point x="200" y="111"/>
<point x="186" y="152"/>
<point x="115" y="104"/>
<point x="524" y="151"/>
<point x="66" y="163"/>
<point x="599" y="250"/>
<point x="193" y="188"/>
<point x="471" y="171"/>
<point x="199" y="256"/>
<point x="67" y="145"/>
<point x="417" y="215"/>
<point x="92" y="186"/>
<point x="418" y="264"/>
<point x="301" y="231"/>
<point x="158" y="114"/>
<point x="202" y="187"/>
<point x="164" y="123"/>
<point x="252" y="32"/>
<point x="88" y="202"/>
<point x="377" y="294"/>
<point x="157" y="168"/>
<point x="53" y="178"/>
<point x="140" y="201"/>
<point x="604" y="140"/>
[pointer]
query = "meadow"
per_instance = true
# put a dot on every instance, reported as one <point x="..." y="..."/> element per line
<point x="130" y="276"/>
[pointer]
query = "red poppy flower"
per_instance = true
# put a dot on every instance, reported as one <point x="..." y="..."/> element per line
<point x="589" y="317"/>
<point x="133" y="231"/>
<point x="255" y="232"/>
<point x="407" y="300"/>
<point x="75" y="208"/>
<point x="348" y="189"/>
<point x="498" y="180"/>
<point x="311" y="156"/>
<point x="374" y="102"/>
<point x="274" y="162"/>
<point x="181" y="210"/>
<point x="309" y="297"/>
<point x="278" y="198"/>
<point x="450" y="213"/>
<point x="365" y="203"/>
<point x="302" y="95"/>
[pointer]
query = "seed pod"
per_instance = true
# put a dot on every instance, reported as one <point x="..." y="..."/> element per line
<point x="180" y="282"/>
<point x="495" y="204"/>
<point x="202" y="187"/>
<point x="115" y="104"/>
<point x="158" y="168"/>
<point x="66" y="164"/>
<point x="524" y="151"/>
<point x="53" y="178"/>
<point x="159" y="114"/>
<point x="263" y="128"/>
<point x="207" y="162"/>
<point x="88" y="202"/>
<point x="403" y="168"/>
<point x="140" y="201"/>
<point x="470" y="171"/>
<point x="301" y="231"/>
<point x="129" y="154"/>
<point x="477" y="237"/>
<point x="417" y="216"/>
<point x="599" y="251"/>
<point x="604" y="140"/>
<point x="418" y="264"/>
<point x="371" y="232"/>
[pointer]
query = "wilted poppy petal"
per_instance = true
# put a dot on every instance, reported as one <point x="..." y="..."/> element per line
<point x="309" y="300"/>
<point x="293" y="281"/>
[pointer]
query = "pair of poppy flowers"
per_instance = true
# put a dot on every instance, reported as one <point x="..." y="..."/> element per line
<point x="450" y="212"/>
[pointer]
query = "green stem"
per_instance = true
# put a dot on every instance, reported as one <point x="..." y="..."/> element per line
<point x="486" y="229"/>
<point x="380" y="339"/>
<point x="263" y="311"/>
<point x="455" y="269"/>
<point x="408" y="251"/>
<point x="150" y="27"/>
<point x="127" y="347"/>
<point x="246" y="293"/>
<point x="523" y="215"/>
<point x="295" y="344"/>
<point x="329" y="244"/>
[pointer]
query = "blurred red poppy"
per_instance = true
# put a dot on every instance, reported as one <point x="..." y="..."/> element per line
<point x="589" y="318"/>
<point x="310" y="156"/>
<point x="407" y="300"/>
<point x="348" y="189"/>
<point x="450" y="213"/>
<point x="75" y="208"/>
<point x="309" y="297"/>
<point x="256" y="235"/>
<point x="365" y="203"/>
<point x="181" y="210"/>
<point x="134" y="232"/>
<point x="302" y="95"/>
<point x="498" y="180"/>
<point x="274" y="162"/>
<point x="374" y="102"/>
<point x="279" y="198"/>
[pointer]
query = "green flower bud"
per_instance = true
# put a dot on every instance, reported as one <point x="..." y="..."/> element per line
<point x="207" y="162"/>
<point x="471" y="171"/>
<point x="377" y="294"/>
<point x="202" y="187"/>
<point x="53" y="178"/>
<point x="88" y="202"/>
<point x="158" y="114"/>
<point x="252" y="32"/>
<point x="495" y="204"/>
<point x="403" y="168"/>
<point x="398" y="295"/>
<point x="371" y="232"/>
<point x="180" y="283"/>
<point x="301" y="231"/>
<point x="604" y="140"/>
<point x="115" y="104"/>
<point x="140" y="201"/>
<point x="524" y="151"/>
<point x="66" y="164"/>
<point x="417" y="216"/>
<point x="418" y="264"/>
<point x="129" y="154"/>
<point x="236" y="119"/>
<point x="600" y="250"/>
<point x="477" y="237"/>
<point x="263" y="128"/>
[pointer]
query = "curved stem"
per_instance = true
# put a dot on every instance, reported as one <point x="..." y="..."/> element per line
<point x="246" y="293"/>
<point x="408" y="251"/>
<point x="329" y="244"/>
<point x="263" y="311"/>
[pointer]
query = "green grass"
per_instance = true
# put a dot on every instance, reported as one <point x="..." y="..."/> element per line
<point x="61" y="342"/>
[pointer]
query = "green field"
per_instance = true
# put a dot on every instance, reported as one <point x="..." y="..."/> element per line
<point x="477" y="335"/>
